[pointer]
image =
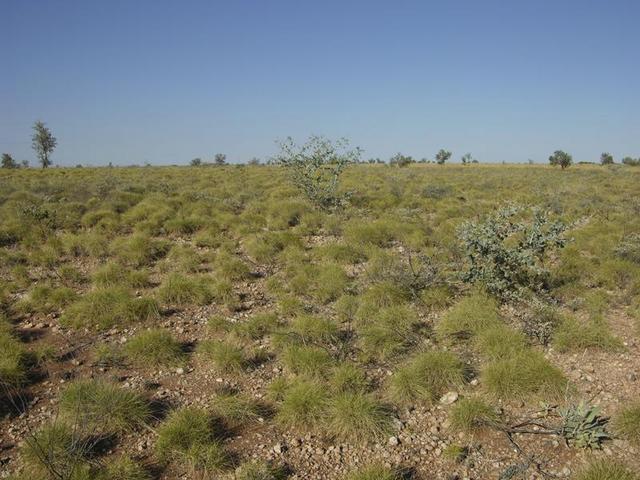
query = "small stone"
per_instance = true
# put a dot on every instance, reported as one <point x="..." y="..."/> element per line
<point x="278" y="448"/>
<point x="393" y="441"/>
<point x="180" y="371"/>
<point x="448" y="398"/>
<point x="566" y="471"/>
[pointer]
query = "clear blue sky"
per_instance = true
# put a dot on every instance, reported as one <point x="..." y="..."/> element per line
<point x="130" y="81"/>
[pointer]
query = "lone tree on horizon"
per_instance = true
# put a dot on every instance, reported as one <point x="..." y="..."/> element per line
<point x="606" y="159"/>
<point x="43" y="142"/>
<point x="220" y="159"/>
<point x="442" y="156"/>
<point x="561" y="158"/>
<point x="8" y="161"/>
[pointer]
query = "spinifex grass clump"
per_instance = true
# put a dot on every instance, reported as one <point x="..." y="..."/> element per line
<point x="102" y="406"/>
<point x="356" y="417"/>
<point x="108" y="307"/>
<point x="627" y="422"/>
<point x="236" y="409"/>
<point x="499" y="342"/>
<point x="187" y="438"/>
<point x="113" y="274"/>
<point x="259" y="470"/>
<point x="226" y="356"/>
<point x="524" y="376"/>
<point x="14" y="361"/>
<point x="47" y="298"/>
<point x="55" y="451"/>
<point x="426" y="377"/>
<point x="307" y="360"/>
<point x="303" y="405"/>
<point x="573" y="335"/>
<point x="389" y="331"/>
<point x="469" y="317"/>
<point x="123" y="468"/>
<point x="139" y="250"/>
<point x="606" y="469"/>
<point x="471" y="414"/>
<point x="154" y="347"/>
<point x="178" y="289"/>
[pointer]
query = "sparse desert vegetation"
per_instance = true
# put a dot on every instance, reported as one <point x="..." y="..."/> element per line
<point x="254" y="322"/>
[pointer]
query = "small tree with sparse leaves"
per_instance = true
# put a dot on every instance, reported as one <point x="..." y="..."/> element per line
<point x="466" y="159"/>
<point x="606" y="158"/>
<point x="442" y="156"/>
<point x="560" y="158"/>
<point x="196" y="162"/>
<point x="8" y="161"/>
<point x="43" y="142"/>
<point x="316" y="167"/>
<point x="220" y="159"/>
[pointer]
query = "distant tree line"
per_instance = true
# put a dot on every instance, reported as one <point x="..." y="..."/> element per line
<point x="44" y="143"/>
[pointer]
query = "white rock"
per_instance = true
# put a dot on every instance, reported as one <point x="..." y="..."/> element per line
<point x="448" y="398"/>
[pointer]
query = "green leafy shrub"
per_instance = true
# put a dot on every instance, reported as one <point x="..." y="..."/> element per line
<point x="315" y="167"/>
<point x="506" y="252"/>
